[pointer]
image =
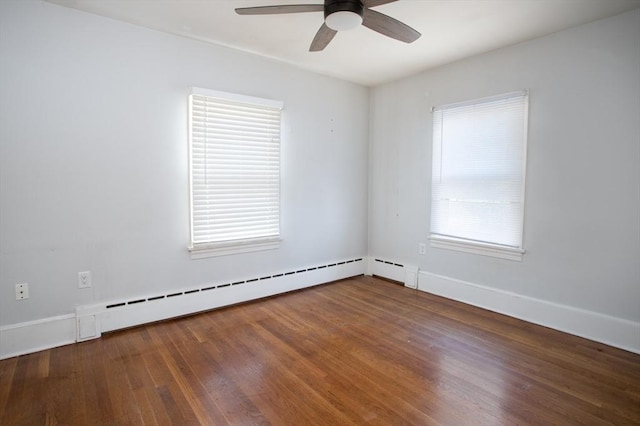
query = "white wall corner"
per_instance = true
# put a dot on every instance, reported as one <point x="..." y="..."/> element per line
<point x="617" y="332"/>
<point x="410" y="276"/>
<point x="369" y="268"/>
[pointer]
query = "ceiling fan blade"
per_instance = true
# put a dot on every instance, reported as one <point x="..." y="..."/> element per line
<point x="389" y="26"/>
<point x="374" y="3"/>
<point x="284" y="8"/>
<point x="322" y="38"/>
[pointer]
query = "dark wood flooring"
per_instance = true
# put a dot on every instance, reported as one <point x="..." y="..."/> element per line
<point x="357" y="351"/>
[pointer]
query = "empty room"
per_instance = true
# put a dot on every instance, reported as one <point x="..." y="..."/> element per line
<point x="297" y="212"/>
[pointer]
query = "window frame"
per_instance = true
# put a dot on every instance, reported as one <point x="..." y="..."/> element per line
<point x="241" y="245"/>
<point x="480" y="247"/>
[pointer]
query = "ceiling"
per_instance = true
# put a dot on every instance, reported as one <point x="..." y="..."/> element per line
<point x="451" y="30"/>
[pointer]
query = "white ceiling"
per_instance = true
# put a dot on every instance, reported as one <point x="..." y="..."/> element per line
<point x="451" y="30"/>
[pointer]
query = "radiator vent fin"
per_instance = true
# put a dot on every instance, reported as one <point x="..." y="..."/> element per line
<point x="389" y="263"/>
<point x="213" y="287"/>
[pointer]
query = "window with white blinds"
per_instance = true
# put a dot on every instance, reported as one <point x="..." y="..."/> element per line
<point x="478" y="173"/>
<point x="234" y="147"/>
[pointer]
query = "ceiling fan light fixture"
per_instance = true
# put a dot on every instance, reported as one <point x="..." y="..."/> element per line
<point x="343" y="20"/>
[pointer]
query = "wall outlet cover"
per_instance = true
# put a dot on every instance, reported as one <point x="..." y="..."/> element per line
<point x="22" y="291"/>
<point x="84" y="279"/>
<point x="422" y="248"/>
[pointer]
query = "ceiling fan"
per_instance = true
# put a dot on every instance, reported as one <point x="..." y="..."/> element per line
<point x="341" y="15"/>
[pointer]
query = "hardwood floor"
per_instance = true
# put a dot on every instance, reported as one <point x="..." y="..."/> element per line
<point x="357" y="351"/>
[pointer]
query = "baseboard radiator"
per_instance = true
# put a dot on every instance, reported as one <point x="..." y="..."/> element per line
<point x="93" y="320"/>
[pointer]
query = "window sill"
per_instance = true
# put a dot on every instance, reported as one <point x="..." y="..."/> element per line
<point x="202" y="251"/>
<point x="477" y="248"/>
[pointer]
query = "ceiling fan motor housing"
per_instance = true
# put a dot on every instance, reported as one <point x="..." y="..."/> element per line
<point x="332" y="6"/>
<point x="347" y="14"/>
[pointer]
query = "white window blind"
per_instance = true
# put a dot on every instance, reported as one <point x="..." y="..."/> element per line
<point x="478" y="171"/>
<point x="235" y="168"/>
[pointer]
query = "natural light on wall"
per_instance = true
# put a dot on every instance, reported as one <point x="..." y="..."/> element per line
<point x="234" y="147"/>
<point x="478" y="174"/>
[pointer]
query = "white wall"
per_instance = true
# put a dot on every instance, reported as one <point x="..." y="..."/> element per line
<point x="582" y="224"/>
<point x="93" y="160"/>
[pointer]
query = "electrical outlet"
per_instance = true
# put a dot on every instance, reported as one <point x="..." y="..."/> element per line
<point x="84" y="279"/>
<point x="422" y="248"/>
<point x="22" y="291"/>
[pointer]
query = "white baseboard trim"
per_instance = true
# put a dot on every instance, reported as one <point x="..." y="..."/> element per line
<point x="90" y="321"/>
<point x="617" y="332"/>
<point x="33" y="336"/>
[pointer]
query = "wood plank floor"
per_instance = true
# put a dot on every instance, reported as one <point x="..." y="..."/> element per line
<point x="358" y="351"/>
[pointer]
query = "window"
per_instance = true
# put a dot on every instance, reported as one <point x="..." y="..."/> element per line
<point x="478" y="173"/>
<point x="234" y="162"/>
